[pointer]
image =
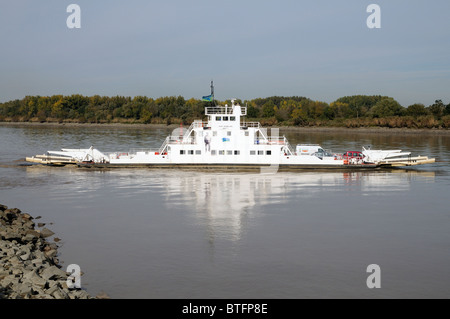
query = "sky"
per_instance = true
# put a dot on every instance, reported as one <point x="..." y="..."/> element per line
<point x="320" y="49"/>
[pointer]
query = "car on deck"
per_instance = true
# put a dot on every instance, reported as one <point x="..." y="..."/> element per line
<point x="353" y="154"/>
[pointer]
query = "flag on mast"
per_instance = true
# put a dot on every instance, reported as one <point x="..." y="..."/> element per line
<point x="209" y="98"/>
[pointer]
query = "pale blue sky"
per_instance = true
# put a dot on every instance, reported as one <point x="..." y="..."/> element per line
<point x="319" y="49"/>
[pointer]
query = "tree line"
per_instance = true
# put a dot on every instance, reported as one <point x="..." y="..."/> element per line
<point x="348" y="111"/>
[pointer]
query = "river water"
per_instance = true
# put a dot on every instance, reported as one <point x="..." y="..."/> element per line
<point x="140" y="233"/>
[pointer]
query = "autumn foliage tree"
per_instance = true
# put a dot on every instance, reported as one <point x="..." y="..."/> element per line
<point x="349" y="111"/>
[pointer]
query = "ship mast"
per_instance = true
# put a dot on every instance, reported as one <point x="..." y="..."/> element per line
<point x="212" y="91"/>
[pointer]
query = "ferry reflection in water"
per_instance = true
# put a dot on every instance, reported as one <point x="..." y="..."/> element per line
<point x="226" y="202"/>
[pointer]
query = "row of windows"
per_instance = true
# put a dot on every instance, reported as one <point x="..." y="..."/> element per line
<point x="260" y="152"/>
<point x="190" y="152"/>
<point x="228" y="133"/>
<point x="222" y="152"/>
<point x="225" y="118"/>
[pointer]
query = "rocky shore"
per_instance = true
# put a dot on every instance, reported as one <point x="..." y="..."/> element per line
<point x="29" y="265"/>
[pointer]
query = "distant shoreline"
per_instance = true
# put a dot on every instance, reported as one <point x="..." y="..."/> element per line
<point x="433" y="131"/>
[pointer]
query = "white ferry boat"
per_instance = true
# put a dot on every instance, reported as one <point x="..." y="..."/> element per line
<point x="227" y="141"/>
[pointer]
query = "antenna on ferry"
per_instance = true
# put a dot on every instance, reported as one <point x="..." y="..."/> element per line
<point x="212" y="91"/>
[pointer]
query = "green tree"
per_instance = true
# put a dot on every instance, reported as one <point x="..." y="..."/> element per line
<point x="437" y="109"/>
<point x="281" y="114"/>
<point x="359" y="105"/>
<point x="299" y="115"/>
<point x="416" y="110"/>
<point x="268" y="109"/>
<point x="387" y="107"/>
<point x="252" y="111"/>
<point x="447" y="109"/>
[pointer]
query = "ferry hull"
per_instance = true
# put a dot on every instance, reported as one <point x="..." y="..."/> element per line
<point x="228" y="167"/>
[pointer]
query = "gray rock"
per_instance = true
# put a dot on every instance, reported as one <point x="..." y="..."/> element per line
<point x="51" y="253"/>
<point x="81" y="294"/>
<point x="36" y="290"/>
<point x="17" y="271"/>
<point x="53" y="283"/>
<point x="53" y="272"/>
<point x="11" y="234"/>
<point x="26" y="216"/>
<point x="37" y="262"/>
<point x="45" y="232"/>
<point x="28" y="263"/>
<point x="14" y="261"/>
<point x="52" y="289"/>
<point x="60" y="294"/>
<point x="33" y="278"/>
<point x="23" y="288"/>
<point x="10" y="280"/>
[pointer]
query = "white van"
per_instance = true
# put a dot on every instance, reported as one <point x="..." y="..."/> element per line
<point x="307" y="149"/>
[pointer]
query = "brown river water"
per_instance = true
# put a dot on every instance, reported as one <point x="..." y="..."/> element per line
<point x="141" y="233"/>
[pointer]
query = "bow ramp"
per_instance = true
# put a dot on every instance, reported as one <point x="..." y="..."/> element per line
<point x="69" y="156"/>
<point x="394" y="158"/>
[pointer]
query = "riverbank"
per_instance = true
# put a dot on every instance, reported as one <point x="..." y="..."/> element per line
<point x="433" y="131"/>
<point x="29" y="262"/>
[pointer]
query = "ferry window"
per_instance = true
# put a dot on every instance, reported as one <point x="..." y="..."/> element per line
<point x="225" y="118"/>
<point x="246" y="133"/>
<point x="269" y="153"/>
<point x="214" y="133"/>
<point x="198" y="152"/>
<point x="237" y="152"/>
<point x="252" y="152"/>
<point x="213" y="152"/>
<point x="260" y="152"/>
<point x="218" y="118"/>
<point x="229" y="152"/>
<point x="221" y="152"/>
<point x="232" y="118"/>
<point x="182" y="152"/>
<point x="191" y="152"/>
<point x="229" y="133"/>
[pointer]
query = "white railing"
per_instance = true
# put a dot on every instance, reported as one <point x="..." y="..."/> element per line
<point x="288" y="146"/>
<point x="163" y="146"/>
<point x="177" y="140"/>
<point x="134" y="151"/>
<point x="272" y="140"/>
<point x="250" y="124"/>
<point x="218" y="110"/>
<point x="198" y="124"/>
<point x="277" y="140"/>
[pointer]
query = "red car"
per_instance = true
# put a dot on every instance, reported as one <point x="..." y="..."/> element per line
<point x="353" y="154"/>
